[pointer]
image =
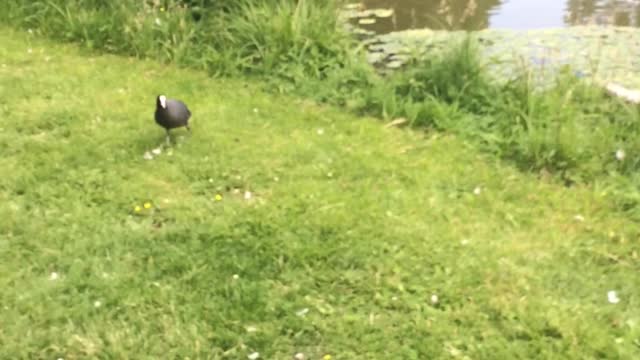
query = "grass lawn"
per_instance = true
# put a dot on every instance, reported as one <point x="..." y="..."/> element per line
<point x="331" y="235"/>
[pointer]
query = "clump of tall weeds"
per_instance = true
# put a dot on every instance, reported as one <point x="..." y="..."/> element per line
<point x="291" y="39"/>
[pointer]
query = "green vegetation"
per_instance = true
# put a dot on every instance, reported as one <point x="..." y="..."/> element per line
<point x="571" y="130"/>
<point x="350" y="230"/>
<point x="275" y="37"/>
<point x="281" y="225"/>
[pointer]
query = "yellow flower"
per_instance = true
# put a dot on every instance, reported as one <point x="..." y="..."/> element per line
<point x="161" y="9"/>
<point x="218" y="197"/>
<point x="137" y="208"/>
<point x="326" y="357"/>
<point x="147" y="205"/>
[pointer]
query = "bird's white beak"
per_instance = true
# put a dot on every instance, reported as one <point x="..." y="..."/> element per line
<point x="163" y="101"/>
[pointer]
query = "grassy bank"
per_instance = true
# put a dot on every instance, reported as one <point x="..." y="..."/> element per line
<point x="222" y="37"/>
<point x="355" y="240"/>
<point x="571" y="131"/>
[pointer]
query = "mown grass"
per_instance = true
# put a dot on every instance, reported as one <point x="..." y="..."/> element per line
<point x="350" y="230"/>
<point x="571" y="130"/>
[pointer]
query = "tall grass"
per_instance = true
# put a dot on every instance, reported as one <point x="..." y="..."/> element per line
<point x="292" y="39"/>
<point x="571" y="129"/>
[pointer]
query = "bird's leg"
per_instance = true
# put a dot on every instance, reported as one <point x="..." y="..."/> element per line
<point x="168" y="138"/>
<point x="188" y="128"/>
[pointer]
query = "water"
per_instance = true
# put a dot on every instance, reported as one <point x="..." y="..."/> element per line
<point x="503" y="14"/>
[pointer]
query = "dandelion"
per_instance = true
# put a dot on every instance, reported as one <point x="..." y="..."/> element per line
<point x="157" y="21"/>
<point x="298" y="356"/>
<point x="30" y="31"/>
<point x="248" y="195"/>
<point x="477" y="191"/>
<point x="302" y="312"/>
<point x="137" y="208"/>
<point x="327" y="357"/>
<point x="434" y="299"/>
<point x="253" y="356"/>
<point x="579" y="218"/>
<point x="613" y="298"/>
<point x="54" y="276"/>
<point x="29" y="50"/>
<point x="320" y="131"/>
<point x="218" y="197"/>
<point x="236" y="276"/>
<point x="464" y="242"/>
<point x="255" y="110"/>
<point x="97" y="304"/>
<point x="147" y="205"/>
<point x="161" y="9"/>
<point x="620" y="155"/>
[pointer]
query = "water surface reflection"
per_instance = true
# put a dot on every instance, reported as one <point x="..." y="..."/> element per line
<point x="512" y="14"/>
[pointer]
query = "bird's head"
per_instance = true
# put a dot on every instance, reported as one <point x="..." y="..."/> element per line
<point x="162" y="101"/>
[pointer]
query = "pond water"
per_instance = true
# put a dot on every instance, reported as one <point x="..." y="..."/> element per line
<point x="501" y="14"/>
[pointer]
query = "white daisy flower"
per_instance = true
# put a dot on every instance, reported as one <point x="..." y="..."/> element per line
<point x="434" y="299"/>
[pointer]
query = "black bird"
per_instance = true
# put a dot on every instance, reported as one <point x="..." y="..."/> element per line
<point x="171" y="114"/>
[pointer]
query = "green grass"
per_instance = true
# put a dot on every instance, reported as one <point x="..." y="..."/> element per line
<point x="572" y="130"/>
<point x="291" y="40"/>
<point x="358" y="223"/>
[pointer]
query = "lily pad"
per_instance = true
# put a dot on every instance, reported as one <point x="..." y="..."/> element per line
<point x="354" y="6"/>
<point x="383" y="13"/>
<point x="367" y="21"/>
<point x="394" y="64"/>
<point x="375" y="57"/>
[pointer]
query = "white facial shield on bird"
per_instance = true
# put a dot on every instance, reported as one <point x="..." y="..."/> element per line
<point x="163" y="101"/>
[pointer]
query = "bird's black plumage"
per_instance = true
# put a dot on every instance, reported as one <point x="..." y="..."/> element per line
<point x="171" y="113"/>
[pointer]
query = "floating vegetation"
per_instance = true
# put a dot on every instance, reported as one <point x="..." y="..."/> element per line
<point x="603" y="54"/>
<point x="382" y="13"/>
<point x="367" y="21"/>
<point x="357" y="11"/>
